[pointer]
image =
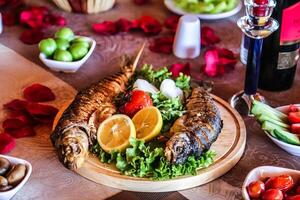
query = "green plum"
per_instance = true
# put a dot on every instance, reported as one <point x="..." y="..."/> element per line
<point x="47" y="46"/>
<point x="62" y="55"/>
<point x="80" y="39"/>
<point x="62" y="44"/>
<point x="65" y="33"/>
<point x="85" y="44"/>
<point x="78" y="51"/>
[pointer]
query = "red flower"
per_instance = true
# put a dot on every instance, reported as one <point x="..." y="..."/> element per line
<point x="180" y="67"/>
<point x="32" y="36"/>
<point x="172" y="22"/>
<point x="9" y="18"/>
<point x="208" y="36"/>
<point x="124" y="25"/>
<point x="150" y="25"/>
<point x="34" y="17"/>
<point x="162" y="45"/>
<point x="106" y="27"/>
<point x="218" y="61"/>
<point x="7" y="143"/>
<point x="38" y="93"/>
<point x="141" y="2"/>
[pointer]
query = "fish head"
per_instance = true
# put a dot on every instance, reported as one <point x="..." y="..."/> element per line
<point x="73" y="146"/>
<point x="178" y="148"/>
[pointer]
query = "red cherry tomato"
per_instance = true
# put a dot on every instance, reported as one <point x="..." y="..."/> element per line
<point x="295" y="197"/>
<point x="282" y="182"/>
<point x="137" y="100"/>
<point x="272" y="194"/>
<point x="255" y="189"/>
<point x="294" y="117"/>
<point x="295" y="128"/>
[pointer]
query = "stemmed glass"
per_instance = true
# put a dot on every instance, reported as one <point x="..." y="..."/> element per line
<point x="257" y="25"/>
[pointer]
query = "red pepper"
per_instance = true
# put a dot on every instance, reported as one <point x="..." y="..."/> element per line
<point x="137" y="99"/>
<point x="294" y="117"/>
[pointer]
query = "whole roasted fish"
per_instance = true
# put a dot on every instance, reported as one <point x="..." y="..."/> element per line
<point x="76" y="129"/>
<point x="194" y="132"/>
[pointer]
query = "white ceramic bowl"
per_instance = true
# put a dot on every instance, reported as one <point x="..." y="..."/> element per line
<point x="262" y="172"/>
<point x="10" y="193"/>
<point x="290" y="148"/>
<point x="68" y="67"/>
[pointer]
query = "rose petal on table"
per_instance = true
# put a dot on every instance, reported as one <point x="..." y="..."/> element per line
<point x="124" y="25"/>
<point x="9" y="18"/>
<point x="180" y="67"/>
<point x="172" y="22"/>
<point x="58" y="20"/>
<point x="105" y="28"/>
<point x="227" y="59"/>
<point x="7" y="143"/>
<point x="14" y="123"/>
<point x="162" y="45"/>
<point x="33" y="17"/>
<point x="38" y="93"/>
<point x="223" y="52"/>
<point x="208" y="36"/>
<point x="16" y="105"/>
<point x="141" y="2"/>
<point x="22" y="116"/>
<point x="25" y="131"/>
<point x="31" y="36"/>
<point x="150" y="25"/>
<point x="41" y="112"/>
<point x="211" y="62"/>
<point x="3" y="3"/>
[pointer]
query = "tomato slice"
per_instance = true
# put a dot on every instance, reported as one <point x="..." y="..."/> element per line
<point x="294" y="117"/>
<point x="295" y="128"/>
<point x="283" y="182"/>
<point x="272" y="194"/>
<point x="255" y="189"/>
<point x="294" y="108"/>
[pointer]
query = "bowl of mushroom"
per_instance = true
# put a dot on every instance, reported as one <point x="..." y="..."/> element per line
<point x="14" y="173"/>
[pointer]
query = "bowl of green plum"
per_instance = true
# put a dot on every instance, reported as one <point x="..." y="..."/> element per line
<point x="66" y="52"/>
<point x="281" y="125"/>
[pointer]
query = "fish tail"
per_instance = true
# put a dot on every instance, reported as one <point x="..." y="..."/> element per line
<point x="131" y="65"/>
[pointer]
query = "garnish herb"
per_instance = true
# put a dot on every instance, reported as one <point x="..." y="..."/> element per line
<point x="140" y="160"/>
<point x="155" y="76"/>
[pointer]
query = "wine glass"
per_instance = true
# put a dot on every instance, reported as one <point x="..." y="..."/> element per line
<point x="257" y="25"/>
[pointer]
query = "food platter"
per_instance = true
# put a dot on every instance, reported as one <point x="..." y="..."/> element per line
<point x="229" y="147"/>
<point x="171" y="6"/>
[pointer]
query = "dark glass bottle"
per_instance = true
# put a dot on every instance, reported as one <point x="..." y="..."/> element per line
<point x="281" y="49"/>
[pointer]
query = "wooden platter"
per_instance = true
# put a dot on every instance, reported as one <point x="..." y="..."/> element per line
<point x="229" y="147"/>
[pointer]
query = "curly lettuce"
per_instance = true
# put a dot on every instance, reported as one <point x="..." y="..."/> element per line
<point x="140" y="160"/>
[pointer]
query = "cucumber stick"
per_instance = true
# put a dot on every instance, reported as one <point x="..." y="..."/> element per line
<point x="287" y="137"/>
<point x="260" y="108"/>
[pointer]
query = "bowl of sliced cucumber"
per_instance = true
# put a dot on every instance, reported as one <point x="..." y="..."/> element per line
<point x="281" y="125"/>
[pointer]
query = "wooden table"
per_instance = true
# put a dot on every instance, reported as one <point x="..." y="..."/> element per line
<point x="50" y="180"/>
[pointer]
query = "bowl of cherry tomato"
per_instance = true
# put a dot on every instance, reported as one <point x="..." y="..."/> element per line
<point x="272" y="183"/>
<point x="66" y="52"/>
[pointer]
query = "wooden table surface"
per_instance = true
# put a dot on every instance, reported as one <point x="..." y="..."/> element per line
<point x="52" y="181"/>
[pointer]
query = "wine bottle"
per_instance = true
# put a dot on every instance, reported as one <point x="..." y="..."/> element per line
<point x="280" y="52"/>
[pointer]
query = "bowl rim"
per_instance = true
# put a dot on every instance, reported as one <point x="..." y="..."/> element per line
<point x="244" y="186"/>
<point x="25" y="179"/>
<point x="92" y="42"/>
<point x="280" y="108"/>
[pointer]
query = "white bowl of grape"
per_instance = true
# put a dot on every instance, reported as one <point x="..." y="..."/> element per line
<point x="66" y="52"/>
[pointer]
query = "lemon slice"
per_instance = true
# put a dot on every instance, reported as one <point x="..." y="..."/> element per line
<point x="114" y="133"/>
<point x="148" y="123"/>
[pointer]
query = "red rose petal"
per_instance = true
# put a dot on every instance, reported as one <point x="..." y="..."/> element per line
<point x="180" y="67"/>
<point x="14" y="123"/>
<point x="32" y="36"/>
<point x="150" y="25"/>
<point x="141" y="2"/>
<point x="208" y="36"/>
<point x="7" y="143"/>
<point x="16" y="105"/>
<point x="9" y="18"/>
<point x="135" y="24"/>
<point x="211" y="61"/>
<point x="106" y="27"/>
<point x="172" y="22"/>
<point x="25" y="131"/>
<point x="38" y="93"/>
<point x="42" y="113"/>
<point x="162" y="45"/>
<point x="3" y="3"/>
<point x="124" y="25"/>
<point x="22" y="116"/>
<point x="59" y="20"/>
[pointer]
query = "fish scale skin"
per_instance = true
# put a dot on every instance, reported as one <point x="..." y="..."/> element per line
<point x="202" y="125"/>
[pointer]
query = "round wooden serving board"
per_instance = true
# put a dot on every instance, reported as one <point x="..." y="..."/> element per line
<point x="229" y="147"/>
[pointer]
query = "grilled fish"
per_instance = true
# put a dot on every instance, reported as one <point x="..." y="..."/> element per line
<point x="194" y="132"/>
<point x="76" y="129"/>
